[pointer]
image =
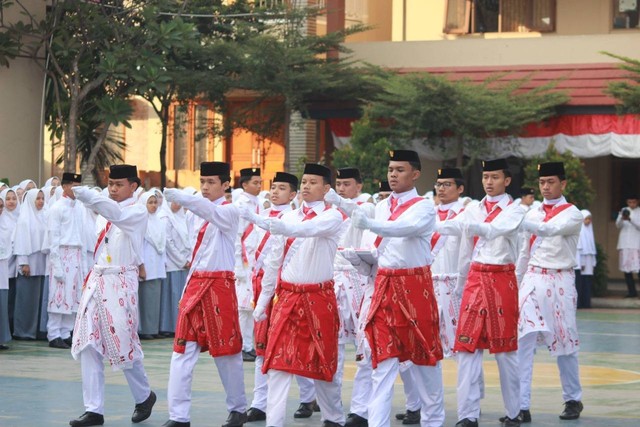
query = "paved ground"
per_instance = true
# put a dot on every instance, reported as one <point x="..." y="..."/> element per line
<point x="40" y="386"/>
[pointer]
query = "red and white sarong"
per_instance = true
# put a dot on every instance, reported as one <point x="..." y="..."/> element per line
<point x="64" y="295"/>
<point x="548" y="301"/>
<point x="403" y="317"/>
<point x="208" y="314"/>
<point x="489" y="310"/>
<point x="303" y="334"/>
<point x="629" y="260"/>
<point x="260" y="329"/>
<point x="445" y="288"/>
<point x="107" y="318"/>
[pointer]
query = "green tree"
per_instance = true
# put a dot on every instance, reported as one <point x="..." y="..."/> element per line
<point x="365" y="151"/>
<point x="579" y="190"/>
<point x="458" y="116"/>
<point x="84" y="48"/>
<point x="627" y="92"/>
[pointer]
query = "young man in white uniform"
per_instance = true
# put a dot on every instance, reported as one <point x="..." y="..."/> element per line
<point x="305" y="308"/>
<point x="283" y="190"/>
<point x="402" y="323"/>
<point x="107" y="320"/>
<point x="65" y="230"/>
<point x="547" y="294"/>
<point x="246" y="245"/>
<point x="208" y="312"/>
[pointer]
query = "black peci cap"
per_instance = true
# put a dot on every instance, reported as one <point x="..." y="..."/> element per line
<point x="527" y="191"/>
<point x="384" y="186"/>
<point x="317" y="169"/>
<point x="346" y="173"/>
<point x="551" y="169"/>
<point x="248" y="172"/>
<point x="122" y="171"/>
<point x="454" y="173"/>
<point x="215" y="169"/>
<point x="73" y="177"/>
<point x="286" y="177"/>
<point x="404" y="156"/>
<point x="494" y="165"/>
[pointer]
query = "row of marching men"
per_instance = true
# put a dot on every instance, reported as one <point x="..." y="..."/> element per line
<point x="409" y="283"/>
<point x="334" y="271"/>
<point x="47" y="249"/>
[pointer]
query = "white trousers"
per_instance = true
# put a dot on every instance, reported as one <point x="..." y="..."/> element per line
<point x="470" y="388"/>
<point x="361" y="393"/>
<point x="261" y="387"/>
<point x="60" y="325"/>
<point x="327" y="395"/>
<point x="428" y="384"/>
<point x="181" y="375"/>
<point x="246" y="328"/>
<point x="92" y="366"/>
<point x="409" y="385"/>
<point x="567" y="365"/>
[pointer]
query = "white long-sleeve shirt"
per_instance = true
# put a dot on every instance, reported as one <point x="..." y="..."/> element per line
<point x="446" y="250"/>
<point x="629" y="237"/>
<point x="178" y="253"/>
<point x="65" y="227"/>
<point x="216" y="250"/>
<point x="123" y="243"/>
<point x="406" y="242"/>
<point x="246" y="247"/>
<point x="555" y="246"/>
<point x="310" y="257"/>
<point x="262" y="227"/>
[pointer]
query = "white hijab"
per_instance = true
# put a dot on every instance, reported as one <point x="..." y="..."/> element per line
<point x="31" y="226"/>
<point x="14" y="214"/>
<point x="49" y="182"/>
<point x="7" y="228"/>
<point x="587" y="242"/>
<point x="178" y="220"/>
<point x="156" y="233"/>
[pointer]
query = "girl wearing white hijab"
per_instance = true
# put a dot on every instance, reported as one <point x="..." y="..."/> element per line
<point x="11" y="212"/>
<point x="153" y="269"/>
<point x="585" y="261"/>
<point x="29" y="238"/>
<point x="178" y="263"/>
<point x="23" y="187"/>
<point x="6" y="243"/>
<point x="54" y="181"/>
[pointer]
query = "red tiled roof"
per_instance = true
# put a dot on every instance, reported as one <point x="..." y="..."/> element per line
<point x="584" y="83"/>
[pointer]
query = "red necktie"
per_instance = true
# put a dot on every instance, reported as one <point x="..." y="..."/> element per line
<point x="308" y="212"/>
<point x="489" y="205"/>
<point x="394" y="204"/>
<point x="547" y="209"/>
<point x="442" y="214"/>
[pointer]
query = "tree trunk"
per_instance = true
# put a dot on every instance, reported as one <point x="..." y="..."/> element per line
<point x="163" y="143"/>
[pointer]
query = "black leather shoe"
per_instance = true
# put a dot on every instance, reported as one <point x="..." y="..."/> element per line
<point x="511" y="422"/>
<point x="88" y="419"/>
<point x="411" y="417"/>
<point x="68" y="341"/>
<point x="142" y="410"/>
<point x="172" y="423"/>
<point x="524" y="416"/>
<point x="305" y="410"/>
<point x="255" y="414"/>
<point x="572" y="409"/>
<point x="235" y="419"/>
<point x="59" y="343"/>
<point x="355" y="420"/>
<point x="146" y="337"/>
<point x="4" y="347"/>
<point x="467" y="423"/>
<point x="248" y="357"/>
<point x="330" y="424"/>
